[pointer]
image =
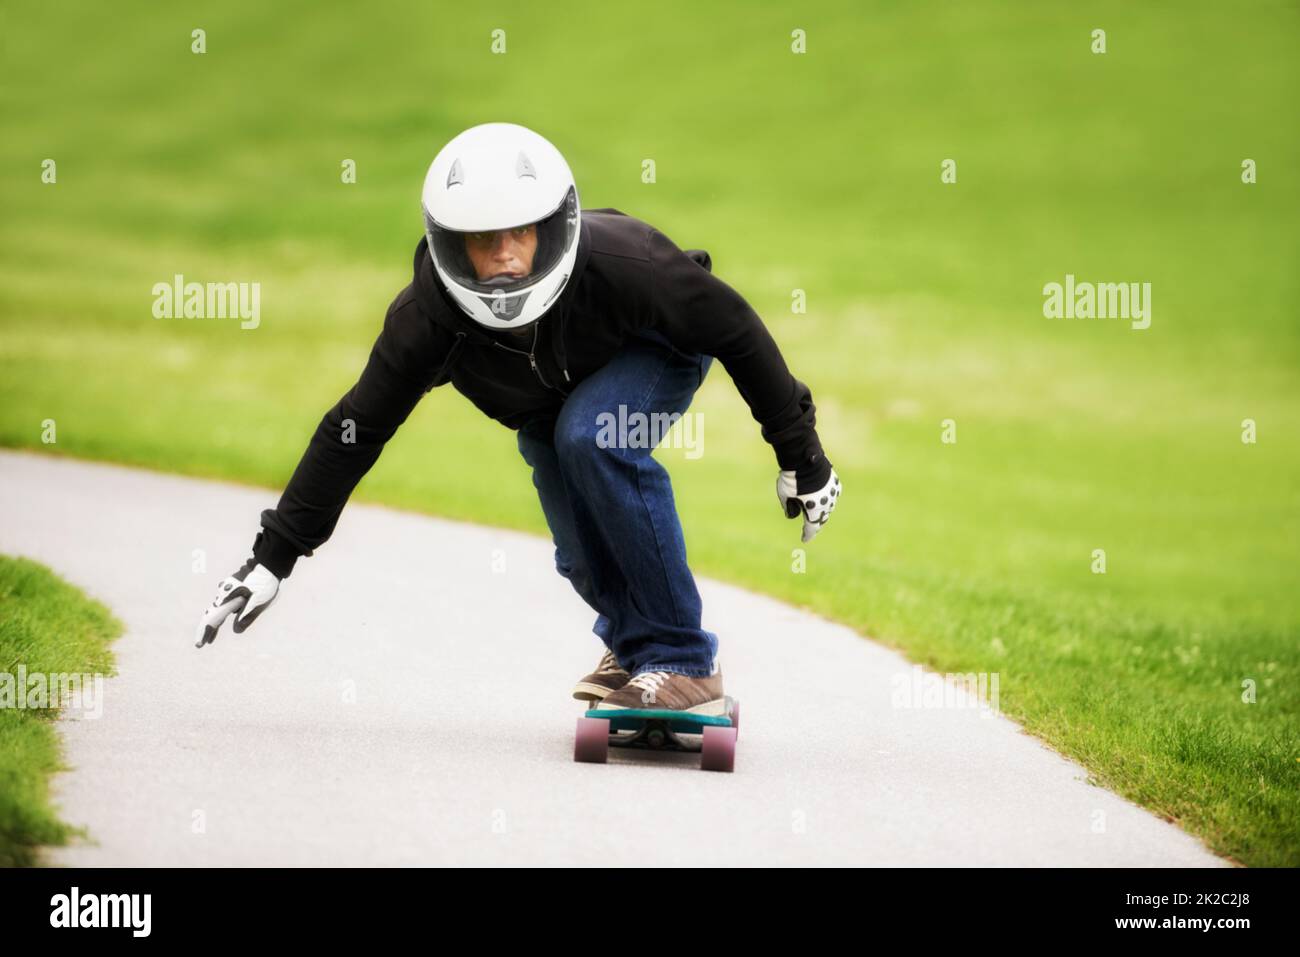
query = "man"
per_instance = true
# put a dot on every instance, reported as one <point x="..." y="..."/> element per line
<point x="549" y="319"/>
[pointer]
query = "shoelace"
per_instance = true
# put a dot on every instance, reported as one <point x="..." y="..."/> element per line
<point x="650" y="680"/>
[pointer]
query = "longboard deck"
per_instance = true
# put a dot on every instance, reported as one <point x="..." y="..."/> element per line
<point x="659" y="728"/>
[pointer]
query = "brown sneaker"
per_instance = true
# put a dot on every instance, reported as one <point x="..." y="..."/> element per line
<point x="669" y="691"/>
<point x="607" y="677"/>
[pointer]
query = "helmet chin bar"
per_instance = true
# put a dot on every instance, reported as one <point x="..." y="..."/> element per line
<point x="507" y="307"/>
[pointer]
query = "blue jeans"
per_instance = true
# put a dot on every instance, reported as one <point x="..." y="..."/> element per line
<point x="611" y="512"/>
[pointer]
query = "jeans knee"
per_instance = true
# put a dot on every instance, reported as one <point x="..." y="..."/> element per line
<point x="576" y="435"/>
<point x="533" y="440"/>
<point x="578" y="575"/>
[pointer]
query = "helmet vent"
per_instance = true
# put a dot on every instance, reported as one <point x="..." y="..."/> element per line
<point x="523" y="167"/>
<point x="457" y="176"/>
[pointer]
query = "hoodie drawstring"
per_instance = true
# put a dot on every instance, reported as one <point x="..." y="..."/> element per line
<point x="557" y="348"/>
<point x="447" y="363"/>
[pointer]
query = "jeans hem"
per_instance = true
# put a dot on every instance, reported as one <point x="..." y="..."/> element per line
<point x="674" y="669"/>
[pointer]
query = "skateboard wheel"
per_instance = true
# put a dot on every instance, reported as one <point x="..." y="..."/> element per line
<point x="591" y="742"/>
<point x="719" y="752"/>
<point x="735" y="717"/>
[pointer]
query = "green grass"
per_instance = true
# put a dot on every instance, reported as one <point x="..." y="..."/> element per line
<point x="48" y="627"/>
<point x="818" y="172"/>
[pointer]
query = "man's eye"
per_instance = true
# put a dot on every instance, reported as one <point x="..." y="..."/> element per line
<point x="521" y="230"/>
<point x="479" y="237"/>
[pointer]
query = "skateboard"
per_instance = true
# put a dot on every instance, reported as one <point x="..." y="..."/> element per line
<point x="655" y="729"/>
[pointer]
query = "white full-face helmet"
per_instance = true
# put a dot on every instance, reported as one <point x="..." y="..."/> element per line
<point x="499" y="176"/>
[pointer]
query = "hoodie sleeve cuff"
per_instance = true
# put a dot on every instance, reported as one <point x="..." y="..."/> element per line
<point x="813" y="475"/>
<point x="277" y="554"/>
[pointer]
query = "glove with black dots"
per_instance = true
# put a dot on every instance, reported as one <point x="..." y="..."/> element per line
<point x="810" y="494"/>
<point x="249" y="590"/>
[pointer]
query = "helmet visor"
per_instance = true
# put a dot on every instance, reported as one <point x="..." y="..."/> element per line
<point x="498" y="261"/>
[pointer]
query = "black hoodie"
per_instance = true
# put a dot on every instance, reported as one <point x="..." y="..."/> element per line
<point x="628" y="276"/>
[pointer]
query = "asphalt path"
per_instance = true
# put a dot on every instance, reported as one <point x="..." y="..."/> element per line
<point x="406" y="701"/>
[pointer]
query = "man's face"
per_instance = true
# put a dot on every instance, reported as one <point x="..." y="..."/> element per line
<point x="502" y="252"/>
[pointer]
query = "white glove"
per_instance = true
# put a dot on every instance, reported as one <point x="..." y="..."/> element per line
<point x="815" y="504"/>
<point x="251" y="589"/>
